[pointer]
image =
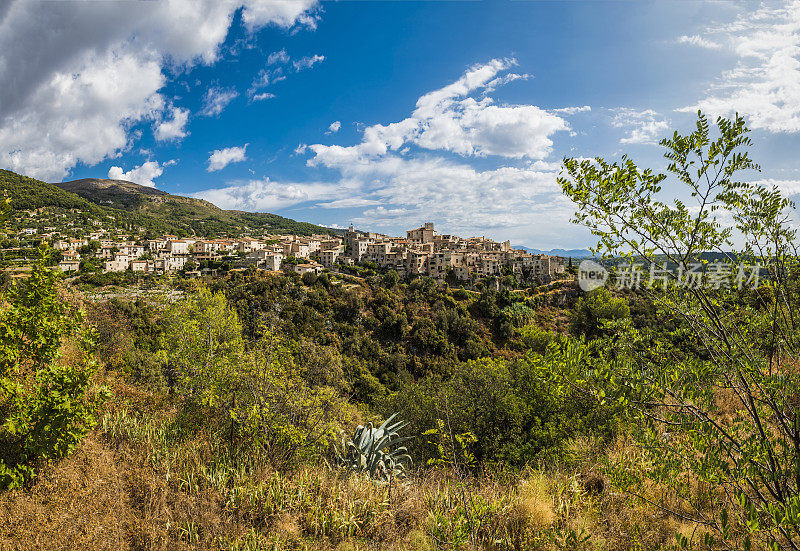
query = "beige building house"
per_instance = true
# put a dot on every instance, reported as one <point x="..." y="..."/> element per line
<point x="306" y="268"/>
<point x="329" y="257"/>
<point x="69" y="265"/>
<point x="265" y="260"/>
<point x="423" y="234"/>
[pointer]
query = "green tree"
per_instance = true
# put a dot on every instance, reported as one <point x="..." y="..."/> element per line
<point x="309" y="278"/>
<point x="727" y="419"/>
<point x="596" y="309"/>
<point x="256" y="395"/>
<point x="391" y="279"/>
<point x="46" y="407"/>
<point x="203" y="344"/>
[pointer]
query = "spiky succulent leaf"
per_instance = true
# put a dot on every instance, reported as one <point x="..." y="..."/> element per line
<point x="375" y="451"/>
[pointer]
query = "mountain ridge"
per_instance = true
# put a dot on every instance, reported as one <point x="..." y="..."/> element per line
<point x="130" y="205"/>
<point x="573" y="253"/>
<point x="126" y="194"/>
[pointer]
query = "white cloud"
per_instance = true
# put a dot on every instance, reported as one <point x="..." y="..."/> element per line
<point x="395" y="191"/>
<point x="76" y="117"/>
<point x="284" y="13"/>
<point x="279" y="57"/>
<point x="696" y="40"/>
<point x="493" y="84"/>
<point x="573" y="110"/>
<point x="460" y="196"/>
<point x="221" y="158"/>
<point x="307" y="62"/>
<point x="173" y="128"/>
<point x="453" y="193"/>
<point x="217" y="99"/>
<point x="644" y="127"/>
<point x="451" y="119"/>
<point x="264" y="78"/>
<point x="334" y="127"/>
<point x="143" y="174"/>
<point x="77" y="76"/>
<point x="262" y="96"/>
<point x="349" y="202"/>
<point x="787" y="187"/>
<point x="266" y="195"/>
<point x="274" y="71"/>
<point x="404" y="172"/>
<point x="765" y="83"/>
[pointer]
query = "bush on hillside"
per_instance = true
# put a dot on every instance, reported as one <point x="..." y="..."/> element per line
<point x="46" y="405"/>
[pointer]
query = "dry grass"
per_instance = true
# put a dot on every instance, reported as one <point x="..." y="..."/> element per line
<point x="82" y="503"/>
<point x="534" y="503"/>
<point x="130" y="486"/>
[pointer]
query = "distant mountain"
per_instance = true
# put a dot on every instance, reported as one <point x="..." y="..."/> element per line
<point x="131" y="205"/>
<point x="574" y="253"/>
<point x="121" y="194"/>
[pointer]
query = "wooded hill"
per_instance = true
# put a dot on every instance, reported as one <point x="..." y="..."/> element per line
<point x="129" y="205"/>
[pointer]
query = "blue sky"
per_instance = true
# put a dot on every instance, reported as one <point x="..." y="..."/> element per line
<point x="387" y="114"/>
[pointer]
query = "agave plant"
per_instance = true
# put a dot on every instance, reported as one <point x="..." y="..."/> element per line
<point x="374" y="451"/>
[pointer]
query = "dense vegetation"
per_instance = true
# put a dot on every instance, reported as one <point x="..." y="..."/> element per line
<point x="278" y="412"/>
<point x="28" y="194"/>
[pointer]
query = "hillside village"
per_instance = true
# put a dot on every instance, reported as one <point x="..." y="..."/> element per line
<point x="422" y="252"/>
<point x="148" y="232"/>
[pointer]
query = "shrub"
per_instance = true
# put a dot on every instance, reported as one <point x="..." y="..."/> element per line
<point x="258" y="396"/>
<point x="517" y="409"/>
<point x="518" y="314"/>
<point x="45" y="407"/>
<point x="594" y="310"/>
<point x="719" y="429"/>
<point x="536" y="339"/>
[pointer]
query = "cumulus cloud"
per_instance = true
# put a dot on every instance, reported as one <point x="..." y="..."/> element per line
<point x="217" y="99"/>
<point x="451" y="119"/>
<point x="78" y="76"/>
<point x="77" y="117"/>
<point x="284" y="13"/>
<point x="143" y="174"/>
<point x="334" y="127"/>
<point x="643" y="127"/>
<point x="457" y="195"/>
<point x="221" y="158"/>
<point x="398" y="168"/>
<point x="266" y="195"/>
<point x="765" y="83"/>
<point x="173" y="128"/>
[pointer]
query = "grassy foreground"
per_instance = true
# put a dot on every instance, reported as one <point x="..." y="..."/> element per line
<point x="138" y="481"/>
